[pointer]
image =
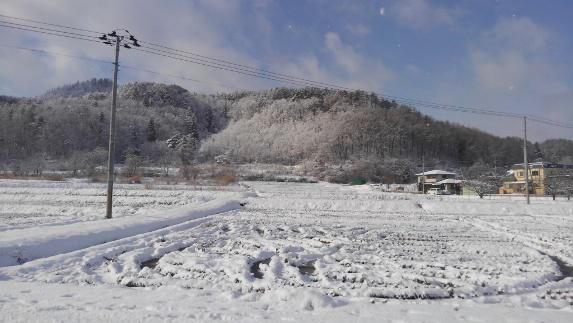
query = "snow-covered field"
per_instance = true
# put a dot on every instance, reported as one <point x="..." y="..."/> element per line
<point x="31" y="203"/>
<point x="280" y="251"/>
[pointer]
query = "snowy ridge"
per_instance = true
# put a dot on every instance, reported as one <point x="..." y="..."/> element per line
<point x="19" y="246"/>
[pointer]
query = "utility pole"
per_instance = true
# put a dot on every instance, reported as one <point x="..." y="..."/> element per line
<point x="117" y="37"/>
<point x="111" y="151"/>
<point x="525" y="163"/>
<point x="423" y="174"/>
<point x="423" y="162"/>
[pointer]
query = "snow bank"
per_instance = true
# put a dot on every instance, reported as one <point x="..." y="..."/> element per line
<point x="19" y="246"/>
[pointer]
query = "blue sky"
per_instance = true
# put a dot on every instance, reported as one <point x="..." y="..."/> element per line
<point x="507" y="55"/>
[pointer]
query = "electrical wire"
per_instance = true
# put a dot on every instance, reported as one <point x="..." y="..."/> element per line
<point x="50" y="24"/>
<point x="45" y="52"/>
<point x="47" y="29"/>
<point x="405" y="101"/>
<point x="41" y="51"/>
<point x="179" y="77"/>
<point x="49" y="33"/>
<point x="291" y="79"/>
<point x="220" y="67"/>
<point x="246" y="67"/>
<point x="226" y="65"/>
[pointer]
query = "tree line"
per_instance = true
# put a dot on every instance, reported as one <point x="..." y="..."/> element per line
<point x="162" y="125"/>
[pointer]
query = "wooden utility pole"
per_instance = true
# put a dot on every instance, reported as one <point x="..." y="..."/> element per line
<point x="119" y="37"/>
<point x="423" y="174"/>
<point x="111" y="152"/>
<point x="525" y="162"/>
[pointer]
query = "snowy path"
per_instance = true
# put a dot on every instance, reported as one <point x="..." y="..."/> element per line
<point x="22" y="245"/>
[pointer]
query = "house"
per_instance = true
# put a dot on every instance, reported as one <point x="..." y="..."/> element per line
<point x="538" y="172"/>
<point x="438" y="178"/>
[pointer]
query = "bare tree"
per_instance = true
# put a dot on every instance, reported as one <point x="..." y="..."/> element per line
<point x="482" y="186"/>
<point x="132" y="162"/>
<point x="482" y="179"/>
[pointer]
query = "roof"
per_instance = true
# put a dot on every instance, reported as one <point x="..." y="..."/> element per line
<point x="449" y="181"/>
<point x="435" y="172"/>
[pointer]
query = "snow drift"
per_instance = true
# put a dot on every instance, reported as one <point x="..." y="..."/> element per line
<point x="19" y="246"/>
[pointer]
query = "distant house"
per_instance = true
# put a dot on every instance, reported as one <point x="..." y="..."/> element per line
<point x="440" y="179"/>
<point x="538" y="172"/>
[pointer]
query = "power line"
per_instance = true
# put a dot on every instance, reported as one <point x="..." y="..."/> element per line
<point x="166" y="54"/>
<point x="413" y="102"/>
<point x="221" y="67"/>
<point x="179" y="77"/>
<point x="250" y="71"/>
<point x="47" y="29"/>
<point x="45" y="52"/>
<point x="204" y="59"/>
<point x="49" y="33"/>
<point x="280" y="76"/>
<point x="226" y="65"/>
<point x="50" y="24"/>
<point x="41" y="51"/>
<point x="549" y="122"/>
<point x="247" y="67"/>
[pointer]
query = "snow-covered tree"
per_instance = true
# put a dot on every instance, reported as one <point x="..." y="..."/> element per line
<point x="185" y="145"/>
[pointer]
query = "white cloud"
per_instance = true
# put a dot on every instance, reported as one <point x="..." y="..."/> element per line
<point x="344" y="55"/>
<point x="382" y="11"/>
<point x="521" y="33"/>
<point x="186" y="25"/>
<point x="361" y="71"/>
<point x="514" y="54"/>
<point x="421" y="14"/>
<point x="513" y="68"/>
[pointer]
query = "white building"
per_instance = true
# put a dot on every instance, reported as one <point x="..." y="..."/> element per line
<point x="438" y="178"/>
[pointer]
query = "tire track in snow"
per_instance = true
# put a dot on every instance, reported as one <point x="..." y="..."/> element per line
<point x="563" y="262"/>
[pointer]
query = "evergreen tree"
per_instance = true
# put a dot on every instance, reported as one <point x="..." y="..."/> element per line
<point x="185" y="145"/>
<point x="151" y="132"/>
<point x="209" y="120"/>
<point x="191" y="125"/>
<point x="134" y="140"/>
<point x="101" y="130"/>
<point x="537" y="152"/>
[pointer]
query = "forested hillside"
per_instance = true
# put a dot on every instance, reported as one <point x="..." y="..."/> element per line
<point x="166" y="124"/>
<point x="289" y="126"/>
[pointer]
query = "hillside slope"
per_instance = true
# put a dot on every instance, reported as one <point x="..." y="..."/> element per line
<point x="286" y="126"/>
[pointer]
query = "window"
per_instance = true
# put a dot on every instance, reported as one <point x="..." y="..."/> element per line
<point x="520" y="173"/>
<point x="534" y="173"/>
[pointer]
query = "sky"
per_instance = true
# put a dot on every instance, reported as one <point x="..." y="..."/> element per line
<point x="505" y="55"/>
